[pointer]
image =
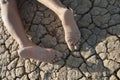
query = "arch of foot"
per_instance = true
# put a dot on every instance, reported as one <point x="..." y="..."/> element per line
<point x="98" y="58"/>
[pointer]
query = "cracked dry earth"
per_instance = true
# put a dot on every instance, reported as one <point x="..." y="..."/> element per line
<point x="97" y="59"/>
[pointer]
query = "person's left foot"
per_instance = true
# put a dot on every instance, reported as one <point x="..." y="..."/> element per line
<point x="72" y="33"/>
<point x="43" y="54"/>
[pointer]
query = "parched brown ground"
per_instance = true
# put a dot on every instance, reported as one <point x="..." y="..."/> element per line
<point x="98" y="58"/>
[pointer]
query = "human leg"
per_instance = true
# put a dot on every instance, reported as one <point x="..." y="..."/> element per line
<point x="13" y="24"/>
<point x="72" y="33"/>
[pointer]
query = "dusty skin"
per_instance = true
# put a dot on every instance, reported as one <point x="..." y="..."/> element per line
<point x="42" y="54"/>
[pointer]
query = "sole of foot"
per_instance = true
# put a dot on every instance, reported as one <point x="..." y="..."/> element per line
<point x="72" y="33"/>
<point x="43" y="54"/>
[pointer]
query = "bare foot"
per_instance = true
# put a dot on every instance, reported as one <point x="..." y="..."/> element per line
<point x="42" y="54"/>
<point x="72" y="33"/>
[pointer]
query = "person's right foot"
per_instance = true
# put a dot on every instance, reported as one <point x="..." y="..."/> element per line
<point x="43" y="54"/>
<point x="72" y="33"/>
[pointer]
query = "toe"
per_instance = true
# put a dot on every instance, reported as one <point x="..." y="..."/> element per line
<point x="77" y="46"/>
<point x="56" y="59"/>
<point x="71" y="47"/>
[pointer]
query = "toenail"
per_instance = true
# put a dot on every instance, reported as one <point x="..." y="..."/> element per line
<point x="76" y="47"/>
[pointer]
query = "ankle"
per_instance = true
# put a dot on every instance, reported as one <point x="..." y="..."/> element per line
<point x="64" y="12"/>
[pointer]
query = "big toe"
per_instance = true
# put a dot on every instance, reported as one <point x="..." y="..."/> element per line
<point x="70" y="46"/>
